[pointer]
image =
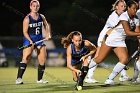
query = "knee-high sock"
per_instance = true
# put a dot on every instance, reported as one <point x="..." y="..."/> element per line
<point x="81" y="77"/>
<point x="92" y="64"/>
<point x="138" y="65"/>
<point x="117" y="69"/>
<point x="21" y="69"/>
<point x="136" y="70"/>
<point x="91" y="72"/>
<point x="123" y="72"/>
<point x="41" y="69"/>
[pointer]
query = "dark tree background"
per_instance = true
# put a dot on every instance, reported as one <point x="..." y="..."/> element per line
<point x="87" y="16"/>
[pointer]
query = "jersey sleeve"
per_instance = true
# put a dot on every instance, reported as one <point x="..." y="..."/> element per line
<point x="137" y="22"/>
<point x="112" y="20"/>
<point x="138" y="14"/>
<point x="123" y="17"/>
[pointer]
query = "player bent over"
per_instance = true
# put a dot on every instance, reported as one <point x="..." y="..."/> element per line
<point x="78" y="52"/>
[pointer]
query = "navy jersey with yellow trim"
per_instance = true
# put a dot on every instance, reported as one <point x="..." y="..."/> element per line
<point x="35" y="26"/>
<point x="76" y="56"/>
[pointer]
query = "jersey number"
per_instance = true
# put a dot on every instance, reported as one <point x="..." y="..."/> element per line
<point x="37" y="31"/>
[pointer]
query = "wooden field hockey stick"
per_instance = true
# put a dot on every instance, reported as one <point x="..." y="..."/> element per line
<point x="29" y="45"/>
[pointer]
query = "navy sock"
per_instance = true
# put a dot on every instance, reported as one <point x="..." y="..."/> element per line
<point x="41" y="69"/>
<point x="21" y="70"/>
<point x="82" y="76"/>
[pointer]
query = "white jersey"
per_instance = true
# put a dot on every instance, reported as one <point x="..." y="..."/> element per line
<point x="112" y="21"/>
<point x="138" y="13"/>
<point x="117" y="36"/>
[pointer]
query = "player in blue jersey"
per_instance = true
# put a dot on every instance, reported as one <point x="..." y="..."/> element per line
<point x="79" y="52"/>
<point x="32" y="31"/>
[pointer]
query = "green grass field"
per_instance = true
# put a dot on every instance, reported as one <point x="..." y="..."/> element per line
<point x="60" y="81"/>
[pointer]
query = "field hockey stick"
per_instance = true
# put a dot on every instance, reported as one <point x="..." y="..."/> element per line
<point x="134" y="55"/>
<point x="29" y="45"/>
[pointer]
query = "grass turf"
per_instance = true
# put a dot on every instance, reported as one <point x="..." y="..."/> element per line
<point x="60" y="81"/>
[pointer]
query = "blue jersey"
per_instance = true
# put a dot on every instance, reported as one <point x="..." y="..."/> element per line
<point x="34" y="30"/>
<point x="76" y="56"/>
<point x="35" y="26"/>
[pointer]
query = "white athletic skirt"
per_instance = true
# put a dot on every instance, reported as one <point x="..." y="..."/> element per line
<point x="116" y="38"/>
<point x="101" y="36"/>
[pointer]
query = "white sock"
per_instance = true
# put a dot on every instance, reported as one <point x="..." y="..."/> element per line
<point x="92" y="64"/>
<point x="119" y="66"/>
<point x="136" y="71"/>
<point x="138" y="65"/>
<point x="123" y="72"/>
<point x="91" y="72"/>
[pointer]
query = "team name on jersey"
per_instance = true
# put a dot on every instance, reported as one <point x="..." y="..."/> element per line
<point x="35" y="24"/>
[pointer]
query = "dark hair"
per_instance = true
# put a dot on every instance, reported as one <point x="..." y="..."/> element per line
<point x="131" y="2"/>
<point x="68" y="40"/>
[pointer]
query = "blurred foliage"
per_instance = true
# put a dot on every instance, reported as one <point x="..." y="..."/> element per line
<point x="87" y="16"/>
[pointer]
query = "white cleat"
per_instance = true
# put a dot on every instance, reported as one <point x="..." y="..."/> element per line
<point x="42" y="81"/>
<point x="135" y="80"/>
<point x="89" y="80"/>
<point x="124" y="78"/>
<point x="109" y="82"/>
<point x="132" y="80"/>
<point x="138" y="80"/>
<point x="19" y="81"/>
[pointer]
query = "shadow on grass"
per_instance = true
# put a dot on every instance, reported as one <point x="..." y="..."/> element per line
<point x="100" y="86"/>
<point x="68" y="88"/>
<point x="54" y="88"/>
<point x="124" y="91"/>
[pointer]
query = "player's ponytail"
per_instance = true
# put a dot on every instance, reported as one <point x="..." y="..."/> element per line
<point x="66" y="41"/>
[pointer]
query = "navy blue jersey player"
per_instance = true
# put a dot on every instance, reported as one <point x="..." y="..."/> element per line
<point x="79" y="52"/>
<point x="32" y="31"/>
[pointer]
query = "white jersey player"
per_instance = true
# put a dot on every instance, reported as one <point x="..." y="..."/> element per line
<point x="136" y="78"/>
<point x="115" y="39"/>
<point x="112" y="21"/>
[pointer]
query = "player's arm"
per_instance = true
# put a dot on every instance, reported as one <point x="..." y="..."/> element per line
<point x="90" y="46"/>
<point x="25" y="28"/>
<point x="47" y="27"/>
<point x="69" y="58"/>
<point x="127" y="29"/>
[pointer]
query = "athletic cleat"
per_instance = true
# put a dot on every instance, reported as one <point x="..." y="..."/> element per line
<point x="109" y="82"/>
<point x="138" y="80"/>
<point x="124" y="78"/>
<point x="89" y="80"/>
<point x="42" y="81"/>
<point x="19" y="81"/>
<point x="79" y="88"/>
<point x="135" y="80"/>
<point x="131" y="80"/>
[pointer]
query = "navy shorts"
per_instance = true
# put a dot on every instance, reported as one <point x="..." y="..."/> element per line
<point x="34" y="38"/>
<point x="75" y="62"/>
